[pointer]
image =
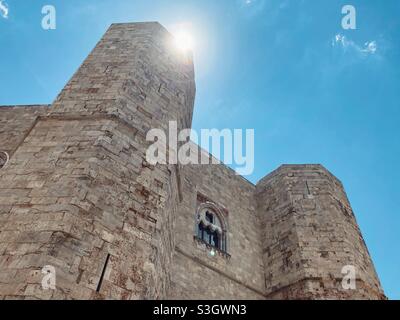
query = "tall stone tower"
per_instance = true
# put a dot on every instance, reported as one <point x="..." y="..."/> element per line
<point x="80" y="205"/>
<point x="78" y="195"/>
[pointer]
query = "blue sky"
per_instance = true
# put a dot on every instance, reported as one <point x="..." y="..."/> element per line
<point x="313" y="92"/>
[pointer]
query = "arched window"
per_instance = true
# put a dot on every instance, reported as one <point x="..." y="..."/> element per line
<point x="210" y="229"/>
<point x="4" y="157"/>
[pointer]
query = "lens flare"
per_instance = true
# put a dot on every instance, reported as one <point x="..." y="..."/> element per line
<point x="184" y="41"/>
<point x="183" y="38"/>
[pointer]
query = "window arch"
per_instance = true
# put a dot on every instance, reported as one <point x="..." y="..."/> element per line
<point x="4" y="157"/>
<point x="210" y="228"/>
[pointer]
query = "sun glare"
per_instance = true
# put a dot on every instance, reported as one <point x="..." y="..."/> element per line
<point x="183" y="39"/>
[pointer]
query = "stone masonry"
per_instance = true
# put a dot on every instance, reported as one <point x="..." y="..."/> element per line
<point x="76" y="193"/>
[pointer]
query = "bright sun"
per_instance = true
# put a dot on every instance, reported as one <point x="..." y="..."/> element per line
<point x="183" y="40"/>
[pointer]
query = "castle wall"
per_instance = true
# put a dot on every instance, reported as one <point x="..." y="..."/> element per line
<point x="15" y="123"/>
<point x="79" y="195"/>
<point x="197" y="274"/>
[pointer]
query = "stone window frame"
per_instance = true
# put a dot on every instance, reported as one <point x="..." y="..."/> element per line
<point x="6" y="157"/>
<point x="204" y="205"/>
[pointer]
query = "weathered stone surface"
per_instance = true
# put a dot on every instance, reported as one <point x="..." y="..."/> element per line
<point x="77" y="194"/>
<point x="77" y="190"/>
<point x="196" y="274"/>
<point x="309" y="234"/>
<point x="15" y="124"/>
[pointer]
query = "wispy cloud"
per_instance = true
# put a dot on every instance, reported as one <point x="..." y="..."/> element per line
<point x="252" y="7"/>
<point x="272" y="8"/>
<point x="250" y="2"/>
<point x="3" y="9"/>
<point x="369" y="47"/>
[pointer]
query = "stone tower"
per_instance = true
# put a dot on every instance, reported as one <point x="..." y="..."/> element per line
<point x="309" y="235"/>
<point x="79" y="200"/>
